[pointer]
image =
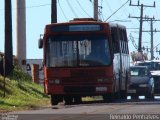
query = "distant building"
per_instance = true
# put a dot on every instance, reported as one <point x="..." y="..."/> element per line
<point x="30" y="62"/>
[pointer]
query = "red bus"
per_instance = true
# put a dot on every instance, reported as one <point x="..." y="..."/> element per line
<point x="85" y="57"/>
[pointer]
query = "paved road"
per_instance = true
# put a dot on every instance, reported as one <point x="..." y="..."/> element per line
<point x="93" y="111"/>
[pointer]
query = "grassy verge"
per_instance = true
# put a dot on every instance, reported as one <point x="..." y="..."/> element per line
<point x="21" y="93"/>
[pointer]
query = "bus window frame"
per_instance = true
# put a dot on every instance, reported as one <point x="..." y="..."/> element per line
<point x="53" y="35"/>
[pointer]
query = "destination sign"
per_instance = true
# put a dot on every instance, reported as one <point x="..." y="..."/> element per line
<point x="76" y="28"/>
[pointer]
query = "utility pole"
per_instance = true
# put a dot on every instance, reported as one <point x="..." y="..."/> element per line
<point x="54" y="11"/>
<point x="152" y="31"/>
<point x="21" y="33"/>
<point x="8" y="54"/>
<point x="141" y="22"/>
<point x="95" y="9"/>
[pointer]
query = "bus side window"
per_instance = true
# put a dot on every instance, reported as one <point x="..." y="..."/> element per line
<point x="123" y="42"/>
<point x="126" y="42"/>
<point x="115" y="42"/>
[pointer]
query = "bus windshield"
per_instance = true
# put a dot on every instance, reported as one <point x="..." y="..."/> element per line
<point x="76" y="51"/>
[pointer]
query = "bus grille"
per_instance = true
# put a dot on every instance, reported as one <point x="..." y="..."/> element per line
<point x="79" y="89"/>
<point x="88" y="73"/>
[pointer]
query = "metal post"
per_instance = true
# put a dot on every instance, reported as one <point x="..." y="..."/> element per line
<point x="152" y="51"/>
<point x="54" y="11"/>
<point x="8" y="54"/>
<point x="140" y="30"/>
<point x="96" y="9"/>
<point x="151" y="31"/>
<point x="141" y="23"/>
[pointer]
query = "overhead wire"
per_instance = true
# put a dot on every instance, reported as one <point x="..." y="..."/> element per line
<point x="34" y="6"/>
<point x="117" y="10"/>
<point x="72" y="8"/>
<point x="157" y="12"/>
<point x="82" y="8"/>
<point x="101" y="11"/>
<point x="122" y="13"/>
<point x="133" y="42"/>
<point x="124" y="10"/>
<point x="109" y="6"/>
<point x="62" y="10"/>
<point x="111" y="10"/>
<point x="132" y="27"/>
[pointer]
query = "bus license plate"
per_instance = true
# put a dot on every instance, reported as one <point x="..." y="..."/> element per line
<point x="101" y="89"/>
<point x="131" y="91"/>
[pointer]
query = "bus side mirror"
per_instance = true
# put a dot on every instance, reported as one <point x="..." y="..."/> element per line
<point x="40" y="42"/>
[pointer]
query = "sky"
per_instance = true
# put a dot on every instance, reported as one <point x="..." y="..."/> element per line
<point x="38" y="14"/>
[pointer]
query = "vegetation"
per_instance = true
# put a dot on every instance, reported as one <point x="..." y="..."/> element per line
<point x="21" y="93"/>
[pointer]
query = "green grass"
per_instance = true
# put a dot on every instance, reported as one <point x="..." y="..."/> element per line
<point x="21" y="93"/>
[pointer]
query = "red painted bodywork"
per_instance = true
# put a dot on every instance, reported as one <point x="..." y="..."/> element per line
<point x="82" y="77"/>
<point x="78" y="77"/>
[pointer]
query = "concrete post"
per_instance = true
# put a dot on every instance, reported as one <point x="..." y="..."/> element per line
<point x="21" y="33"/>
<point x="96" y="9"/>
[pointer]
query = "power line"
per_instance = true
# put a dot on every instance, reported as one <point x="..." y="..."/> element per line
<point x="141" y="22"/>
<point x="133" y="41"/>
<point x="117" y="10"/>
<point x="100" y="11"/>
<point x="82" y="8"/>
<point x="37" y="6"/>
<point x="125" y="10"/>
<point x="109" y="6"/>
<point x="71" y="8"/>
<point x="34" y="6"/>
<point x="62" y="11"/>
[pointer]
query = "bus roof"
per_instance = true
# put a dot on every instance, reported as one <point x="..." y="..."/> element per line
<point x="116" y="24"/>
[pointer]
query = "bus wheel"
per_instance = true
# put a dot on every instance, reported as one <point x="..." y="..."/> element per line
<point x="54" y="99"/>
<point x="149" y="96"/>
<point x="107" y="98"/>
<point x="68" y="100"/>
<point x="117" y="95"/>
<point x="77" y="99"/>
<point x="123" y="95"/>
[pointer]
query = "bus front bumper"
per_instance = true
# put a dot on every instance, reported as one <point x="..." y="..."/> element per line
<point x="82" y="90"/>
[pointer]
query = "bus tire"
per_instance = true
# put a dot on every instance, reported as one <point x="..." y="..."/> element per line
<point x="123" y="95"/>
<point x="54" y="99"/>
<point x="149" y="96"/>
<point x="68" y="100"/>
<point x="77" y="99"/>
<point x="107" y="98"/>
